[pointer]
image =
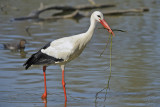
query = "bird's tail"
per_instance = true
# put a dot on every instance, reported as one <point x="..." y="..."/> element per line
<point x="40" y="58"/>
<point x="30" y="61"/>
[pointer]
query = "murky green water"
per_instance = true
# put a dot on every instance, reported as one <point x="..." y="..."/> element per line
<point x="135" y="77"/>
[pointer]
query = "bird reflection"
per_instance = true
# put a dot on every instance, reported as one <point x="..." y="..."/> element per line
<point x="45" y="102"/>
<point x="22" y="53"/>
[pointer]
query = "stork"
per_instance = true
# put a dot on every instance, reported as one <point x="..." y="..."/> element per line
<point x="63" y="50"/>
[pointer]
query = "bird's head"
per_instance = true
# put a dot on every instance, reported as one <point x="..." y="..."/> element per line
<point x="98" y="16"/>
<point x="22" y="43"/>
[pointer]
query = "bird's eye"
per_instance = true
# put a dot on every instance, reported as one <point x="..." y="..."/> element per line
<point x="99" y="16"/>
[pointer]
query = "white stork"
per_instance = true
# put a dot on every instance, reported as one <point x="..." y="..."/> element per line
<point x="63" y="50"/>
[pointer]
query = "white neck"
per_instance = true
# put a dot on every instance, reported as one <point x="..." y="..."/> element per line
<point x="92" y="26"/>
<point x="88" y="35"/>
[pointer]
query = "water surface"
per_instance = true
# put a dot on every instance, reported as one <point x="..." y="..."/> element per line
<point x="135" y="59"/>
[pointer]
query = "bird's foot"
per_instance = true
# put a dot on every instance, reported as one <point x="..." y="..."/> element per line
<point x="44" y="101"/>
<point x="44" y="96"/>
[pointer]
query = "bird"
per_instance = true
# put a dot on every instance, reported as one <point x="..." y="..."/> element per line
<point x="15" y="45"/>
<point x="63" y="50"/>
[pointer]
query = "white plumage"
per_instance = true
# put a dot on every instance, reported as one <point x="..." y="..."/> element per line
<point x="65" y="49"/>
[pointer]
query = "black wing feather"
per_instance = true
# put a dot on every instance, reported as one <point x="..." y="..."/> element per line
<point x="41" y="58"/>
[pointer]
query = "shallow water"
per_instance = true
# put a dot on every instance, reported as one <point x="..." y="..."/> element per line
<point x="135" y="59"/>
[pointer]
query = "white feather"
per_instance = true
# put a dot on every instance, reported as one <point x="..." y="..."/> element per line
<point x="65" y="48"/>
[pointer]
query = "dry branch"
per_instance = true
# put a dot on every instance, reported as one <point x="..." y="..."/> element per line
<point x="35" y="14"/>
<point x="75" y="12"/>
<point x="92" y="2"/>
<point x="120" y="12"/>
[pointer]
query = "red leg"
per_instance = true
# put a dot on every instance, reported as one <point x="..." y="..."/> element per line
<point x="65" y="103"/>
<point x="63" y="84"/>
<point x="44" y="96"/>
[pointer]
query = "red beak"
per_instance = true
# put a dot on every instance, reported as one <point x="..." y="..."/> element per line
<point x="104" y="23"/>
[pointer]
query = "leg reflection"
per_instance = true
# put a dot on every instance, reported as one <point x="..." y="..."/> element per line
<point x="65" y="103"/>
<point x="45" y="102"/>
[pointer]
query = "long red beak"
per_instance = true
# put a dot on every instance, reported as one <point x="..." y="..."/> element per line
<point x="104" y="23"/>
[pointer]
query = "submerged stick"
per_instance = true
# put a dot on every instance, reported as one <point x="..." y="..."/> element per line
<point x="27" y="30"/>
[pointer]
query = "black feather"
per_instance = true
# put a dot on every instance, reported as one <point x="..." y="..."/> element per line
<point x="40" y="58"/>
<point x="46" y="46"/>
